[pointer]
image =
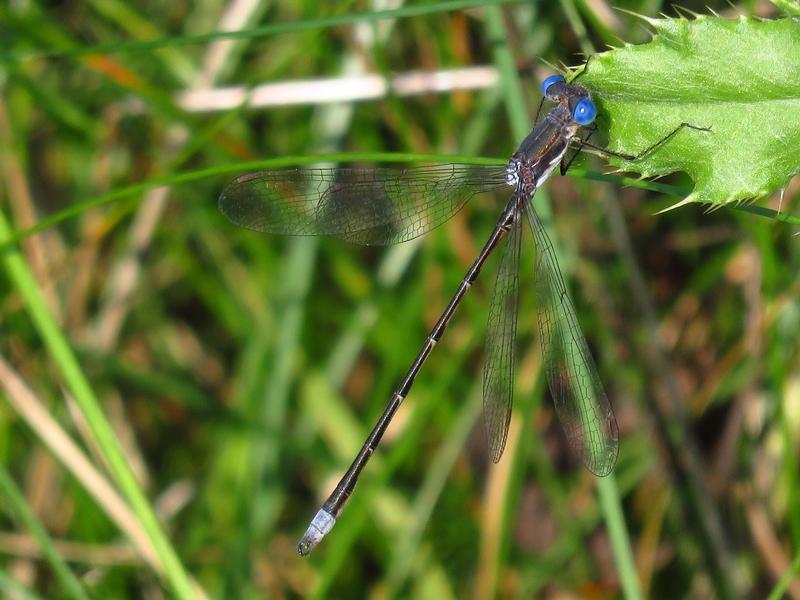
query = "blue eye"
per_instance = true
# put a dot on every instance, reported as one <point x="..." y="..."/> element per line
<point x="584" y="111"/>
<point x="550" y="81"/>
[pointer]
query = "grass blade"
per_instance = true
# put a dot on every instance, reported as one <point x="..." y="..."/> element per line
<point x="67" y="363"/>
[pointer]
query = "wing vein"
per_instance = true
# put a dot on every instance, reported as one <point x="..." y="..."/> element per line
<point x="501" y="333"/>
<point x="578" y="395"/>
<point x="375" y="206"/>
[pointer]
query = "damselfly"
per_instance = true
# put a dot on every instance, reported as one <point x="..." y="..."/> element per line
<point x="385" y="206"/>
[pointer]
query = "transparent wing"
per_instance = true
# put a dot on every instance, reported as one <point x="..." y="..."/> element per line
<point x="365" y="206"/>
<point x="580" y="400"/>
<point x="501" y="332"/>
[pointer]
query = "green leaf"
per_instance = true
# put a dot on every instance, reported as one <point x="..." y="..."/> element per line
<point x="739" y="77"/>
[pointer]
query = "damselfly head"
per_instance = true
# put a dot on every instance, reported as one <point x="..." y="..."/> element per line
<point x="573" y="97"/>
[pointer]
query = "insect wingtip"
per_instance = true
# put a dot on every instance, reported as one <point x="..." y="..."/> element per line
<point x="495" y="454"/>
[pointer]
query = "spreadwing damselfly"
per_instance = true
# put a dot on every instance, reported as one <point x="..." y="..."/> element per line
<point x="381" y="206"/>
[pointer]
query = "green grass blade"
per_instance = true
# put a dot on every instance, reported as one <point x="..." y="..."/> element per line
<point x="620" y="542"/>
<point x="780" y="588"/>
<point x="16" y="503"/>
<point x="15" y="589"/>
<point x="63" y="356"/>
<point x="79" y="207"/>
<point x="259" y="32"/>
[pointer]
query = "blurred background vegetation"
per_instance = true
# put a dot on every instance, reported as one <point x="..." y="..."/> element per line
<point x="239" y="373"/>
